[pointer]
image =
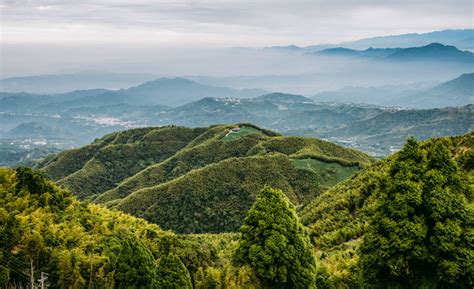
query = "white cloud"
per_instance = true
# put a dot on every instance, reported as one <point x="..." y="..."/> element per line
<point x="223" y="22"/>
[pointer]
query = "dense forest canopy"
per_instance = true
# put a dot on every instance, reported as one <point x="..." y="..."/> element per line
<point x="405" y="222"/>
<point x="200" y="180"/>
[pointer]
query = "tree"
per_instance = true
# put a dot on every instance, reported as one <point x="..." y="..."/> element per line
<point x="421" y="233"/>
<point x="133" y="263"/>
<point x="32" y="181"/>
<point x="172" y="273"/>
<point x="4" y="276"/>
<point x="275" y="244"/>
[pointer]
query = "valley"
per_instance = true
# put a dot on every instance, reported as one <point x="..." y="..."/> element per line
<point x="78" y="118"/>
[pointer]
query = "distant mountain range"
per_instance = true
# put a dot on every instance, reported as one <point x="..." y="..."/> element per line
<point x="163" y="91"/>
<point x="430" y="52"/>
<point x="461" y="38"/>
<point x="76" y="118"/>
<point x="456" y="92"/>
<point x="61" y="83"/>
<point x="367" y="128"/>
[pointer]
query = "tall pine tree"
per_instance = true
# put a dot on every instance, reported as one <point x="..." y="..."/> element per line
<point x="275" y="244"/>
<point x="421" y="233"/>
<point x="172" y="273"/>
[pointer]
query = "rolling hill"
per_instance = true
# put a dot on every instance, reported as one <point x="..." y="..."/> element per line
<point x="102" y="243"/>
<point x="288" y="114"/>
<point x="207" y="176"/>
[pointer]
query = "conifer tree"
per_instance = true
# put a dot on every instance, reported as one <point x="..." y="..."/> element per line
<point x="275" y="244"/>
<point x="4" y="276"/>
<point x="421" y="233"/>
<point x="172" y="273"/>
<point x="133" y="264"/>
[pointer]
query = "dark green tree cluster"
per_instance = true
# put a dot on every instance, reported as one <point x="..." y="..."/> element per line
<point x="131" y="261"/>
<point x="421" y="235"/>
<point x="275" y="244"/>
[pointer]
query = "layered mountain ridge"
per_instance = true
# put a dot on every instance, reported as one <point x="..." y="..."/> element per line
<point x="199" y="172"/>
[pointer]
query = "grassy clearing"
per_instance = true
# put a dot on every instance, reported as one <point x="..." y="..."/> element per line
<point x="245" y="130"/>
<point x="330" y="173"/>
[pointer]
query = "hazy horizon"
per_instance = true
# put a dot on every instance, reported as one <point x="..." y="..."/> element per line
<point x="181" y="37"/>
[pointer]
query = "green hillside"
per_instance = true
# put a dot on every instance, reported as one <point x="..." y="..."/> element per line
<point x="207" y="176"/>
<point x="339" y="217"/>
<point x="45" y="227"/>
<point x="83" y="245"/>
<point x="100" y="166"/>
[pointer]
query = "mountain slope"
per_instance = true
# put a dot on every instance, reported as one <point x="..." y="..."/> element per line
<point x="277" y="111"/>
<point x="179" y="91"/>
<point x="455" y="92"/>
<point x="215" y="169"/>
<point x="338" y="217"/>
<point x="393" y="127"/>
<point x="163" y="91"/>
<point x="62" y="83"/>
<point x="461" y="38"/>
<point x="430" y="52"/>
<point x="369" y="52"/>
<point x="462" y="85"/>
<point x="82" y="245"/>
<point x="101" y="165"/>
<point x="35" y="130"/>
<point x="446" y="37"/>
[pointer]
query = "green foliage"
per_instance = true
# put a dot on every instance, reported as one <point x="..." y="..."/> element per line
<point x="77" y="244"/>
<point x="30" y="181"/>
<point x="338" y="217"/>
<point x="100" y="166"/>
<point x="421" y="233"/>
<point x="192" y="157"/>
<point x="121" y="164"/>
<point x="244" y="130"/>
<point x="172" y="273"/>
<point x="4" y="276"/>
<point x="216" y="197"/>
<point x="208" y="184"/>
<point x="209" y="278"/>
<point x="329" y="174"/>
<point x="275" y="245"/>
<point x="312" y="148"/>
<point x="131" y="262"/>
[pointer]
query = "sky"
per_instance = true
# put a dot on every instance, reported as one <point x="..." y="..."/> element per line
<point x="223" y="23"/>
<point x="177" y="37"/>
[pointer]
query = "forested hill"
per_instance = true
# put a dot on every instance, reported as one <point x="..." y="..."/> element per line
<point x="46" y="232"/>
<point x="201" y="179"/>
<point x="365" y="231"/>
<point x="339" y="218"/>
